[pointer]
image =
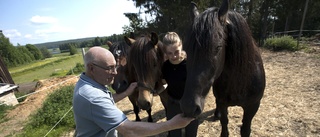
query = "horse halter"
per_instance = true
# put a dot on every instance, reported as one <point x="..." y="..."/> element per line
<point x="118" y="52"/>
<point x="143" y="85"/>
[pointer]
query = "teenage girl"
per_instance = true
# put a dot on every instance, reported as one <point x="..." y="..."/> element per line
<point x="174" y="75"/>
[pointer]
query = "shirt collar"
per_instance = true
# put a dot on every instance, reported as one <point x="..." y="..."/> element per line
<point x="92" y="82"/>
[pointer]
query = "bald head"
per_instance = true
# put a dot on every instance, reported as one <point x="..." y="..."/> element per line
<point x="98" y="55"/>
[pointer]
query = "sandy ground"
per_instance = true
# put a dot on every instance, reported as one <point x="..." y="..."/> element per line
<point x="290" y="106"/>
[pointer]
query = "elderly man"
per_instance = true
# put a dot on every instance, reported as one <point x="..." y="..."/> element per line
<point x="95" y="112"/>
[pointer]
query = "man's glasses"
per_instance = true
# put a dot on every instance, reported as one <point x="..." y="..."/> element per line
<point x="108" y="68"/>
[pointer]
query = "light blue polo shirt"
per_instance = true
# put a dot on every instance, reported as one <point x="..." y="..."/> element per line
<point x="95" y="112"/>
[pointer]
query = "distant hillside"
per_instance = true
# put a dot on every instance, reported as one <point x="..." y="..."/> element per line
<point x="51" y="45"/>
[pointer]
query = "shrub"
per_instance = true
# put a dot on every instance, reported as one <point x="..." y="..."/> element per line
<point x="281" y="43"/>
<point x="73" y="50"/>
<point x="53" y="109"/>
<point x="79" y="68"/>
<point x="59" y="73"/>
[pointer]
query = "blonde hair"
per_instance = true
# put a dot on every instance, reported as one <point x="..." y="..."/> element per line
<point x="171" y="39"/>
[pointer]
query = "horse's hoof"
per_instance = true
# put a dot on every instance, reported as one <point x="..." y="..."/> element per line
<point x="216" y="116"/>
<point x="150" y="120"/>
<point x="138" y="119"/>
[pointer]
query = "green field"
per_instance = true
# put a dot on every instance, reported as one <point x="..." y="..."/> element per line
<point x="45" y="68"/>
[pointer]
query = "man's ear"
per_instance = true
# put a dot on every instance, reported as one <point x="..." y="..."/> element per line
<point x="90" y="67"/>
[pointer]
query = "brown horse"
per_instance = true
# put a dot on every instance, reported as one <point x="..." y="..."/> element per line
<point x="144" y="58"/>
<point x="223" y="55"/>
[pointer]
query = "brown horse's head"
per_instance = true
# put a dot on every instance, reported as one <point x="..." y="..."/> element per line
<point x="144" y="66"/>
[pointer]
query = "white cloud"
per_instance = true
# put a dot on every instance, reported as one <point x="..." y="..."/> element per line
<point x="53" y="29"/>
<point x="28" y="36"/>
<point x="43" y="19"/>
<point x="12" y="33"/>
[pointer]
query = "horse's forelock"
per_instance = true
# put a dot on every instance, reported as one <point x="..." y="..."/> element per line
<point x="205" y="34"/>
<point x="208" y="32"/>
<point x="119" y="46"/>
<point x="143" y="55"/>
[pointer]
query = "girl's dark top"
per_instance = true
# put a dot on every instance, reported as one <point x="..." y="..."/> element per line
<point x="175" y="76"/>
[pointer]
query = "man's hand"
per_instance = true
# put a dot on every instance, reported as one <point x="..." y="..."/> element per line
<point x="179" y="121"/>
<point x="131" y="88"/>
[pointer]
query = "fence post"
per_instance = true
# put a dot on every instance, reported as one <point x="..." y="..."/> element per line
<point x="302" y="22"/>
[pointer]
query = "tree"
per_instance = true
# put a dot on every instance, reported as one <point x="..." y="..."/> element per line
<point x="136" y="23"/>
<point x="35" y="51"/>
<point x="97" y="42"/>
<point x="25" y="54"/>
<point x="85" y="44"/>
<point x="11" y="56"/>
<point x="45" y="52"/>
<point x="73" y="50"/>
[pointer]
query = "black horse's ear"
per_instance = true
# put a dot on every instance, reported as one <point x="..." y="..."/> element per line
<point x="109" y="43"/>
<point x="194" y="10"/>
<point x="154" y="38"/>
<point x="223" y="10"/>
<point x="129" y="41"/>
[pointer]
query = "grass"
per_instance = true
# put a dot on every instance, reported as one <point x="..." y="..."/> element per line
<point x="57" y="103"/>
<point x="3" y="110"/>
<point x="45" y="68"/>
<point x="54" y="108"/>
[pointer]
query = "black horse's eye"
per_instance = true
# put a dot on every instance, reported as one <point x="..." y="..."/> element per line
<point x="219" y="48"/>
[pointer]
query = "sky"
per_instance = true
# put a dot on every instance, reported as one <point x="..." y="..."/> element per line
<point x="40" y="21"/>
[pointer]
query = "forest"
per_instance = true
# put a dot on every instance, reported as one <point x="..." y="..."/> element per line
<point x="266" y="18"/>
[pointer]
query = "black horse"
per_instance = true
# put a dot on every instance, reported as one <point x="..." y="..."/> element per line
<point x="120" y="51"/>
<point x="222" y="54"/>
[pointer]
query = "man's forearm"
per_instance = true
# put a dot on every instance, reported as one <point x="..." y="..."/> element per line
<point x="140" y="129"/>
<point x="117" y="97"/>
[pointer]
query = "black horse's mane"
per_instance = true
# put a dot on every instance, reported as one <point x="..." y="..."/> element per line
<point x="121" y="46"/>
<point x="144" y="55"/>
<point x="204" y="34"/>
<point x="207" y="34"/>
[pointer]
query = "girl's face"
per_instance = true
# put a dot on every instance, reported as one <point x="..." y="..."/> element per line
<point x="173" y="53"/>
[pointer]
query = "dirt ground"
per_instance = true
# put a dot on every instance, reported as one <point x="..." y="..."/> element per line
<point x="19" y="115"/>
<point x="290" y="106"/>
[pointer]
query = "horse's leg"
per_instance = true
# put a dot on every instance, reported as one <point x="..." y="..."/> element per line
<point x="149" y="115"/>
<point x="248" y="114"/>
<point x="217" y="114"/>
<point x="136" y="111"/>
<point x="164" y="99"/>
<point x="224" y="120"/>
<point x="133" y="99"/>
<point x="173" y="108"/>
<point x="192" y="129"/>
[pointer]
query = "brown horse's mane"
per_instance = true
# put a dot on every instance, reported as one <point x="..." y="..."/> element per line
<point x="208" y="33"/>
<point x="142" y="59"/>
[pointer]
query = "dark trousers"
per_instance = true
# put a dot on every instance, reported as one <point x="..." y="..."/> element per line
<point x="173" y="108"/>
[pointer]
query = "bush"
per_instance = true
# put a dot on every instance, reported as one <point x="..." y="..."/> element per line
<point x="79" y="68"/>
<point x="73" y="50"/>
<point x="281" y="43"/>
<point x="53" y="109"/>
